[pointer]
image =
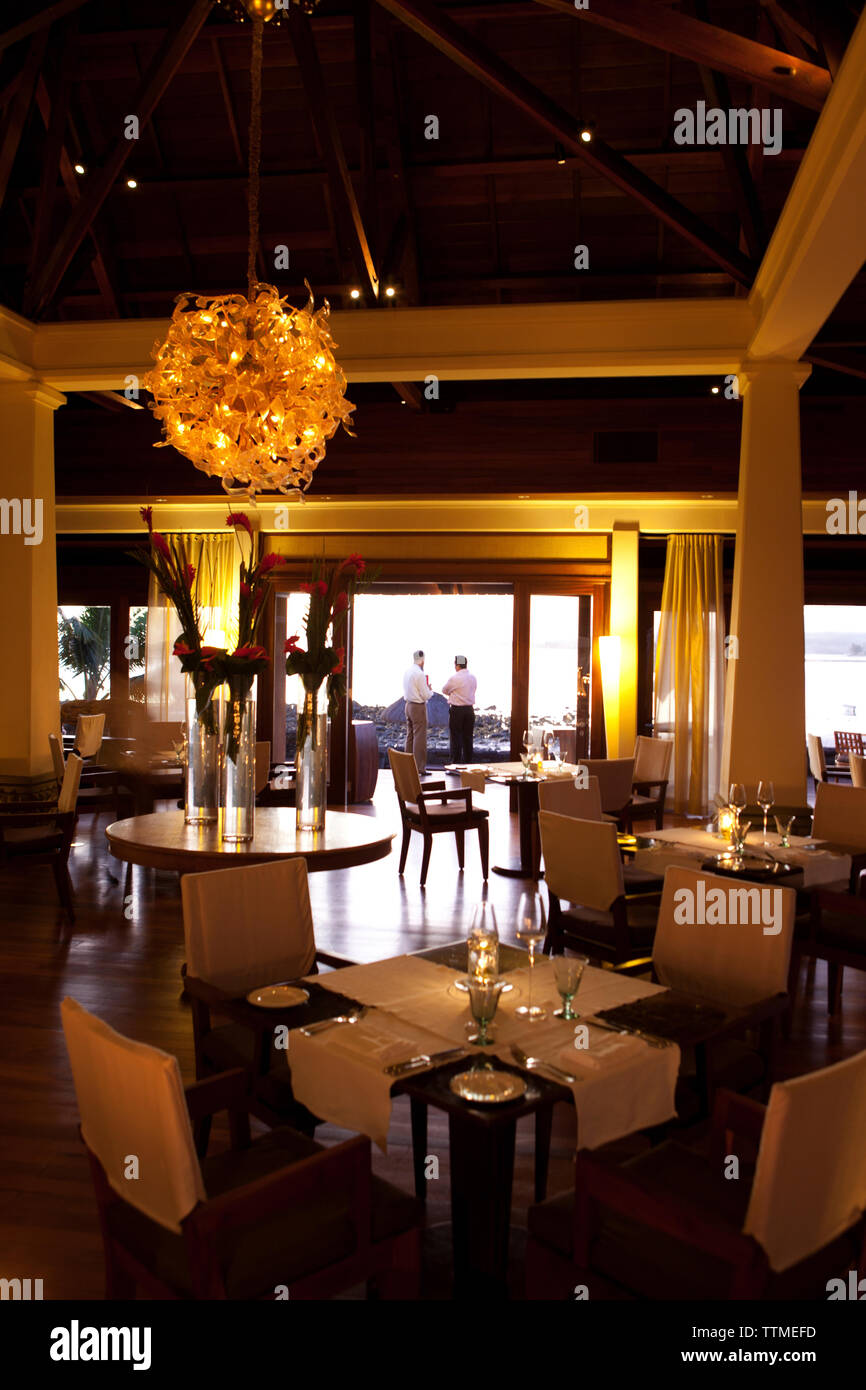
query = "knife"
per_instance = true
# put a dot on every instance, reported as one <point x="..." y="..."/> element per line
<point x="424" y="1060"/>
<point x="650" y="1038"/>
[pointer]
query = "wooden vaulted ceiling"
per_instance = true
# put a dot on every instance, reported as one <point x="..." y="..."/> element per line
<point x="489" y="212"/>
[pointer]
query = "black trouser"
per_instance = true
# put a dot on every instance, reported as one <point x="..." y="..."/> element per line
<point x="461" y="719"/>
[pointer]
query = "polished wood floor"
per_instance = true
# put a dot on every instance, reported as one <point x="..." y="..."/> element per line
<point x="122" y="960"/>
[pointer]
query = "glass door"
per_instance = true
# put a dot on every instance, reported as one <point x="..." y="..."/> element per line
<point x="560" y="670"/>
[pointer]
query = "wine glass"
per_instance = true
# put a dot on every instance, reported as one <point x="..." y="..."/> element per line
<point x="783" y="825"/>
<point x="483" y="999"/>
<point x="531" y="929"/>
<point x="569" y="973"/>
<point x="483" y="943"/>
<point x="737" y="799"/>
<point x="742" y="831"/>
<point x="766" y="799"/>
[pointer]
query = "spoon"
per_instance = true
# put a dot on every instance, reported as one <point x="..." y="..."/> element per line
<point x="533" y="1063"/>
<point x="332" y="1022"/>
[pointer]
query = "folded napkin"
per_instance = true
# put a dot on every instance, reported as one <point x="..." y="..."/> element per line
<point x="605" y="1050"/>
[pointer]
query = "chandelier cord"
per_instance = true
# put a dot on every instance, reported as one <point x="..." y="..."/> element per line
<point x="255" y="153"/>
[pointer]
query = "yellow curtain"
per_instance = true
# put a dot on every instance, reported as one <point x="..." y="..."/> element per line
<point x="689" y="669"/>
<point x="216" y="559"/>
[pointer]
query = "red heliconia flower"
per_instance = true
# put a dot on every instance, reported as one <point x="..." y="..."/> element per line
<point x="181" y="649"/>
<point x="147" y="516"/>
<point x="321" y="588"/>
<point x="341" y="602"/>
<point x="161" y="544"/>
<point x="240" y="519"/>
<point x="211" y="651"/>
<point x="190" y="573"/>
<point x="245" y="588"/>
<point x="258" y="599"/>
<point x="269" y="562"/>
<point x="292" y="643"/>
<point x="341" y="664"/>
<point x="251" y="653"/>
<point x="305" y="588"/>
<point x="355" y="562"/>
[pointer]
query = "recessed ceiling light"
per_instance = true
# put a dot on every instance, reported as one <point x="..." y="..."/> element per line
<point x="390" y="292"/>
<point x="714" y="390"/>
<point x="356" y="294"/>
<point x="784" y="71"/>
<point x="586" y="134"/>
<point x="132" y="183"/>
<point x="79" y="168"/>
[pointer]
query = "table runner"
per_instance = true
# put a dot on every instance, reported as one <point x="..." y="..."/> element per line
<point x="690" y="846"/>
<point x="416" y="1008"/>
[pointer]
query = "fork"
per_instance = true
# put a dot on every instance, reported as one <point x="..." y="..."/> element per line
<point x="332" y="1022"/>
<point x="649" y="1038"/>
<point x="533" y="1063"/>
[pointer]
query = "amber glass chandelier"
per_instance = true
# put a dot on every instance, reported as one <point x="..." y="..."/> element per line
<point x="247" y="387"/>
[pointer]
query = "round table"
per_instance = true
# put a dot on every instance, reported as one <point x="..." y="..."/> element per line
<point x="162" y="841"/>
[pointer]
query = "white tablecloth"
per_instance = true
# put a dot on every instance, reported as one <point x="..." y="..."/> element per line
<point x="415" y="1008"/>
<point x="689" y="846"/>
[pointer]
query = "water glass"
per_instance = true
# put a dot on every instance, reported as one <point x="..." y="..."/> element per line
<point x="766" y="799"/>
<point x="783" y="825"/>
<point x="531" y="930"/>
<point x="569" y="973"/>
<point x="483" y="999"/>
<point x="741" y="831"/>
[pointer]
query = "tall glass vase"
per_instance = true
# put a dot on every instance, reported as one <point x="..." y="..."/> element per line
<point x="239" y="767"/>
<point x="311" y="787"/>
<point x="201" y="782"/>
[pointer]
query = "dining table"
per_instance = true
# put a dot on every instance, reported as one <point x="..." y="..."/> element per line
<point x="525" y="786"/>
<point x="617" y="1074"/>
<point x="804" y="863"/>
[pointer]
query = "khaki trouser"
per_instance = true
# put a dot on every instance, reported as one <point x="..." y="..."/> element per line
<point x="416" y="734"/>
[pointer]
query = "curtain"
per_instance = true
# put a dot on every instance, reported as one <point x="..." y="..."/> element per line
<point x="689" y="669"/>
<point x="216" y="559"/>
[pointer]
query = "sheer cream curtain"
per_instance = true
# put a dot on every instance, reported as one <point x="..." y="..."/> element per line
<point x="216" y="559"/>
<point x="689" y="669"/>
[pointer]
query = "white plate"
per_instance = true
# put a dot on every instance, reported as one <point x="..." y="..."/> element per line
<point x="277" y="996"/>
<point x="483" y="1087"/>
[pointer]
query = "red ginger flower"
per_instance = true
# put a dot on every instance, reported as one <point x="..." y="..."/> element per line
<point x="189" y="571"/>
<point x="292" y="643"/>
<point x="269" y="561"/>
<point x="341" y="664"/>
<point x="240" y="519"/>
<point x="341" y="602"/>
<point x="147" y="516"/>
<point x="160" y="543"/>
<point x="305" y="588"/>
<point x="321" y="588"/>
<point x="245" y="588"/>
<point x="251" y="653"/>
<point x="181" y="649"/>
<point x="355" y="562"/>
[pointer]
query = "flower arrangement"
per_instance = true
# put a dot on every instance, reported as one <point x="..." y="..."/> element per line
<point x="169" y="563"/>
<point x="323" y="659"/>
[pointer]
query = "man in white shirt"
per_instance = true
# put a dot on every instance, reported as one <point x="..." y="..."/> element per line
<point x="416" y="692"/>
<point x="460" y="689"/>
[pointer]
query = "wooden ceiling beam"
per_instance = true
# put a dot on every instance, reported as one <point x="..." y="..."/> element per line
<point x="849" y="363"/>
<point x="159" y="75"/>
<point x="410" y="394"/>
<point x="702" y="43"/>
<point x="39" y="21"/>
<point x="17" y="118"/>
<point x="114" y="401"/>
<point x="331" y="145"/>
<point x="482" y="63"/>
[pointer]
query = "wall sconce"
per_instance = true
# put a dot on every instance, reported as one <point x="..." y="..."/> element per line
<point x="610" y="660"/>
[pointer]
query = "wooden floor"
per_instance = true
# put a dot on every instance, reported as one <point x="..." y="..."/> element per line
<point x="122" y="960"/>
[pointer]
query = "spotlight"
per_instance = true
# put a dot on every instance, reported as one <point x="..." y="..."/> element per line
<point x="586" y="134"/>
<point x="390" y="292"/>
<point x="355" y="294"/>
<point x="79" y="168"/>
<point x="714" y="390"/>
<point x="132" y="183"/>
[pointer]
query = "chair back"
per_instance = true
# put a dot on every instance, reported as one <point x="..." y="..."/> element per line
<point x="847" y="743"/>
<point x="263" y="764"/>
<point x="564" y="798"/>
<point x="405" y="773"/>
<point x="652" y="759"/>
<point x="582" y="863"/>
<point x="857" y="763"/>
<point x="57" y="757"/>
<point x="88" y="734"/>
<point x="249" y="926"/>
<point x="735" y="962"/>
<point x="817" y="761"/>
<point x="615" y="778"/>
<point x="132" y="1106"/>
<point x="68" y="797"/>
<point x="810" y="1181"/>
<point x="840" y="815"/>
<point x="476" y="781"/>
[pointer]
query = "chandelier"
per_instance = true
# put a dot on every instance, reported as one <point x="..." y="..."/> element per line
<point x="248" y="388"/>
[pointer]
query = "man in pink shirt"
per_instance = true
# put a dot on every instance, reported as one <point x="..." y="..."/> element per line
<point x="460" y="689"/>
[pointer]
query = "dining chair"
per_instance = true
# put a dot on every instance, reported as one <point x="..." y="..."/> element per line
<point x="741" y="966"/>
<point x="33" y="833"/>
<point x="280" y="1216"/>
<point x="818" y="763"/>
<point x="840" y="818"/>
<point x="583" y="866"/>
<point x="836" y="933"/>
<point x="562" y="796"/>
<point x="615" y="780"/>
<point x="89" y="730"/>
<point x="244" y="928"/>
<point x="846" y="744"/>
<point x="652" y="765"/>
<point x="419" y="811"/>
<point x="857" y="764"/>
<point x="100" y="789"/>
<point x="263" y="764"/>
<point x="670" y="1224"/>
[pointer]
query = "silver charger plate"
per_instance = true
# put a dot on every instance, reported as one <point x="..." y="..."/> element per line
<point x="277" y="996"/>
<point x="485" y="1087"/>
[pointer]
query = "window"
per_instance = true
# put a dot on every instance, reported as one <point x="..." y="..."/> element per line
<point x="84" y="652"/>
<point x="835" y="670"/>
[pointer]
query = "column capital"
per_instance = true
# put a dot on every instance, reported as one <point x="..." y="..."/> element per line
<point x="34" y="390"/>
<point x="772" y="369"/>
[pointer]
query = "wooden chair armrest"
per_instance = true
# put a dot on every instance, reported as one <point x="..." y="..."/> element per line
<point x="344" y="1167"/>
<point x="335" y="962"/>
<point x="227" y="1091"/>
<point x="457" y="794"/>
<point x="679" y="1218"/>
<point x="735" y="1114"/>
<point x="434" y="786"/>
